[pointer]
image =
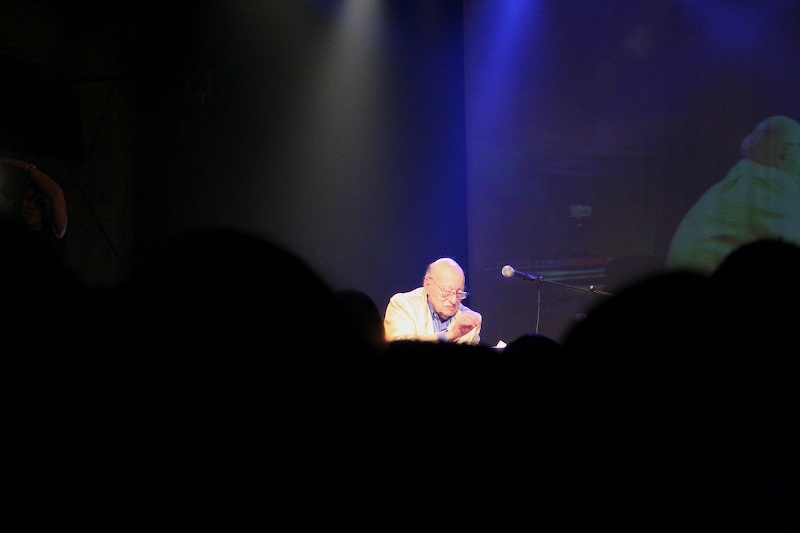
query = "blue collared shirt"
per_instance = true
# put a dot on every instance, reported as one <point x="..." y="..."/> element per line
<point x="438" y="325"/>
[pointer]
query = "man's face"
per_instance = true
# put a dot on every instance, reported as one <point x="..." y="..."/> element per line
<point x="442" y="288"/>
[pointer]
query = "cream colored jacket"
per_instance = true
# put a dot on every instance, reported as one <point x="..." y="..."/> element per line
<point x="752" y="202"/>
<point x="408" y="317"/>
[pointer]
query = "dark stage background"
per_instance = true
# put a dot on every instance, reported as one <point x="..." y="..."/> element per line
<point x="565" y="138"/>
<point x="593" y="126"/>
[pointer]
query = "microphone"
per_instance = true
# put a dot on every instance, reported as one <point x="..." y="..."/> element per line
<point x="508" y="271"/>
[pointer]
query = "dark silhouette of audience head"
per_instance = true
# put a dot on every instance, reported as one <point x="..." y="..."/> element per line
<point x="641" y="373"/>
<point x="644" y="324"/>
<point x="467" y="445"/>
<point x="228" y="286"/>
<point x="222" y="385"/>
<point x="757" y="288"/>
<point x="757" y="316"/>
<point x="534" y="345"/>
<point x="225" y="382"/>
<point x="756" y="293"/>
<point x="681" y="389"/>
<point x="39" y="290"/>
<point x="364" y="313"/>
<point x="262" y="372"/>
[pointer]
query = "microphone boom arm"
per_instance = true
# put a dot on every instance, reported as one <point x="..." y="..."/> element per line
<point x="508" y="271"/>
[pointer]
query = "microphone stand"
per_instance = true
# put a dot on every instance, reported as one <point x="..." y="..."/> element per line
<point x="539" y="280"/>
<point x="590" y="288"/>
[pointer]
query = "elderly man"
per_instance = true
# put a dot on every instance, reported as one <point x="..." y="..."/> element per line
<point x="434" y="312"/>
<point x="759" y="198"/>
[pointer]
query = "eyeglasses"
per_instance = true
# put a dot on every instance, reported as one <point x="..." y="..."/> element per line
<point x="447" y="293"/>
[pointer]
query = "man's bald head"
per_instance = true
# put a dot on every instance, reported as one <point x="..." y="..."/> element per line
<point x="444" y="266"/>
